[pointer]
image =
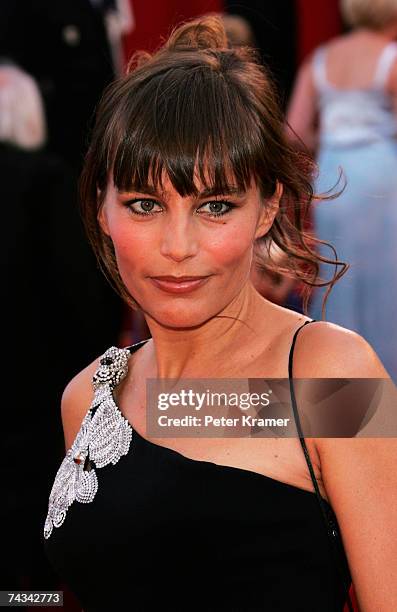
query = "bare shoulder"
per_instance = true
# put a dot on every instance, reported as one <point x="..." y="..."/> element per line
<point x="328" y="350"/>
<point x="335" y="47"/>
<point x="76" y="400"/>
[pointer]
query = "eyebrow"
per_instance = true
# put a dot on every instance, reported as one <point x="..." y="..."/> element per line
<point x="208" y="192"/>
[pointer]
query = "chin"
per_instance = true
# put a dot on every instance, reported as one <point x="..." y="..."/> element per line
<point x="185" y="316"/>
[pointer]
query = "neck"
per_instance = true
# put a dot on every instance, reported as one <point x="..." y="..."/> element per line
<point x="389" y="32"/>
<point x="203" y="349"/>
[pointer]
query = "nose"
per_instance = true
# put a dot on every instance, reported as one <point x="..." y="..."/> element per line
<point x="179" y="239"/>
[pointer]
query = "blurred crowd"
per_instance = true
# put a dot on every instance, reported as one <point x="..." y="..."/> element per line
<point x="56" y="58"/>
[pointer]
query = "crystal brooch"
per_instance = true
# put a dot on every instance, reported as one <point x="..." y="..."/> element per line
<point x="103" y="438"/>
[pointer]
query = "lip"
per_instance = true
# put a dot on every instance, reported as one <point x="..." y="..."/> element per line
<point x="183" y="284"/>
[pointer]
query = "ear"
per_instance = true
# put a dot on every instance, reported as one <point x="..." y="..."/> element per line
<point x="268" y="211"/>
<point x="102" y="216"/>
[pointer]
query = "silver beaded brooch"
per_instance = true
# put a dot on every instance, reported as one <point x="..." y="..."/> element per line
<point x="104" y="437"/>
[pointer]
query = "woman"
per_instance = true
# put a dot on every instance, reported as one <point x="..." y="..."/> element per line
<point x="344" y="107"/>
<point x="187" y="175"/>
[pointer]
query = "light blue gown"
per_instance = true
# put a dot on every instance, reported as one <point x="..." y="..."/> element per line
<point x="358" y="133"/>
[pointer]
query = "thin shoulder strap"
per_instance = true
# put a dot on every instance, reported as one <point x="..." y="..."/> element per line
<point x="319" y="68"/>
<point x="329" y="523"/>
<point x="296" y="415"/>
<point x="291" y="352"/>
<point x="384" y="65"/>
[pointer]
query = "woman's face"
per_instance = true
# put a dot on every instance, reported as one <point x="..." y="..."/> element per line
<point x="163" y="234"/>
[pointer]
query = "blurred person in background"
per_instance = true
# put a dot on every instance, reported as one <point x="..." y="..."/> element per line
<point x="65" y="46"/>
<point x="238" y="30"/>
<point x="119" y="22"/>
<point x="344" y="108"/>
<point x="52" y="283"/>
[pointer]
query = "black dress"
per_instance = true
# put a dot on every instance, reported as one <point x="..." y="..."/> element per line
<point x="168" y="532"/>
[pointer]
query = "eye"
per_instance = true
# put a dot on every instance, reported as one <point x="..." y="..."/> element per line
<point x="145" y="207"/>
<point x="215" y="208"/>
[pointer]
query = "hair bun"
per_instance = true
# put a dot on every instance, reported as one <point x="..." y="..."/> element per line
<point x="203" y="33"/>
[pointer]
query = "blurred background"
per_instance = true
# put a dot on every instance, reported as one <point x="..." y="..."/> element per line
<point x="55" y="60"/>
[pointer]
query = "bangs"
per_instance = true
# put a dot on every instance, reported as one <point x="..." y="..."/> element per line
<point x="189" y="125"/>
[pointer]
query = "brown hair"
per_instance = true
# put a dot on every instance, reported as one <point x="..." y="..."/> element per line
<point x="199" y="100"/>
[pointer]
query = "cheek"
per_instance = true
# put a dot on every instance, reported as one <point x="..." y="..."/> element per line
<point x="131" y="245"/>
<point x="233" y="245"/>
